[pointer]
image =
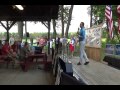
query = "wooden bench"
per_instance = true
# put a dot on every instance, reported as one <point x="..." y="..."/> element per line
<point x="4" y="60"/>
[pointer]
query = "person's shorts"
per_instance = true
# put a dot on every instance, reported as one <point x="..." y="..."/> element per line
<point x="71" y="48"/>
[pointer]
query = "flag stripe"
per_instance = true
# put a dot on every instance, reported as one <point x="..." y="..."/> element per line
<point x="118" y="11"/>
<point x="118" y="25"/>
<point x="107" y="12"/>
<point x="108" y="15"/>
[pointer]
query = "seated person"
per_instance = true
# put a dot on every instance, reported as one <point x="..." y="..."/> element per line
<point x="5" y="48"/>
<point x="25" y="52"/>
<point x="1" y="47"/>
<point x="8" y="52"/>
<point x="42" y="42"/>
<point x="14" y="47"/>
<point x="37" y="50"/>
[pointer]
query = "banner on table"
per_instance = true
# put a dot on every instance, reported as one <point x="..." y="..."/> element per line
<point x="93" y="37"/>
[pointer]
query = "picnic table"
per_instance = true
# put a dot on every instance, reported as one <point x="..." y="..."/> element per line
<point x="30" y="61"/>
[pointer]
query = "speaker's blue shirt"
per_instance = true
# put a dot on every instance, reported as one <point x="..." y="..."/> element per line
<point x="82" y="33"/>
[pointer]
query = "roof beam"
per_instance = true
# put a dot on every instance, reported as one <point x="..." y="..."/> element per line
<point x="30" y="13"/>
<point x="45" y="24"/>
<point x="7" y="27"/>
<point x="12" y="24"/>
<point x="3" y="25"/>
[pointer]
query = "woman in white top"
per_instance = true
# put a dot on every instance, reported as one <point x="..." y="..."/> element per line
<point x="11" y="40"/>
<point x="3" y="40"/>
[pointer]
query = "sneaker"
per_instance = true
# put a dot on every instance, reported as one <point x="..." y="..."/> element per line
<point x="78" y="63"/>
<point x="86" y="63"/>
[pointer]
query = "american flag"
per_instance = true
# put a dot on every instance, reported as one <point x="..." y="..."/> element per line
<point x="108" y="14"/>
<point x="118" y="25"/>
<point x="118" y="10"/>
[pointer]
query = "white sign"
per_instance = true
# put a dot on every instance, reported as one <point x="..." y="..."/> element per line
<point x="93" y="37"/>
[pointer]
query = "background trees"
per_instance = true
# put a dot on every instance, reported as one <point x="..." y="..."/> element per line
<point x="64" y="20"/>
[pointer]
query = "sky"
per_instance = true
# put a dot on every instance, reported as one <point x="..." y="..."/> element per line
<point x="79" y="15"/>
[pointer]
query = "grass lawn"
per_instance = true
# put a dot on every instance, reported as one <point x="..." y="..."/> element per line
<point x="28" y="40"/>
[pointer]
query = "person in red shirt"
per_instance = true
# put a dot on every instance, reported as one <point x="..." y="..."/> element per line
<point x="6" y="48"/>
<point x="1" y="47"/>
<point x="8" y="53"/>
<point x="14" y="47"/>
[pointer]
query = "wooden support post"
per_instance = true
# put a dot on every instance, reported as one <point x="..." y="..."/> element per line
<point x="20" y="29"/>
<point x="48" y="37"/>
<point x="7" y="31"/>
<point x="26" y="30"/>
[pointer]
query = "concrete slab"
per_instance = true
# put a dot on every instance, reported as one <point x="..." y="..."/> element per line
<point x="34" y="76"/>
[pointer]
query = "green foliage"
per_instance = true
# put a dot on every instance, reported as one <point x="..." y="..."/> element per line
<point x="58" y="23"/>
<point x="34" y="35"/>
<point x="99" y="11"/>
<point x="65" y="14"/>
<point x="106" y="39"/>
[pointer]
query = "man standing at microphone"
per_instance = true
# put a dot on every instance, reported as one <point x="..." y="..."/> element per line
<point x="82" y="39"/>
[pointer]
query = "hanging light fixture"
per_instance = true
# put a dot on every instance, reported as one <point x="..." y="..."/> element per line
<point x="20" y="7"/>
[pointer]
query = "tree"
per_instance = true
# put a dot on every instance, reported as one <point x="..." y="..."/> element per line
<point x="62" y="19"/>
<point x="54" y="28"/>
<point x="91" y="16"/>
<point x="69" y="20"/>
<point x="99" y="11"/>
